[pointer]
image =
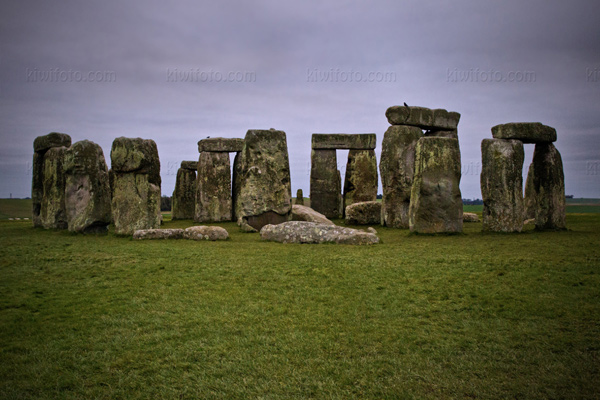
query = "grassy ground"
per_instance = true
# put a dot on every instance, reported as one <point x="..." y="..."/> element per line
<point x="466" y="316"/>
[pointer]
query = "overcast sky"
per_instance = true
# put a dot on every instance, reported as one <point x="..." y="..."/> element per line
<point x="106" y="69"/>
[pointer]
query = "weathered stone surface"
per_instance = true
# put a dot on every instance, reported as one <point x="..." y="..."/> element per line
<point x="303" y="213"/>
<point x="364" y="213"/>
<point x="549" y="187"/>
<point x="191" y="165"/>
<point x="526" y="132"/>
<point x="332" y="141"/>
<point x="87" y="191"/>
<point x="265" y="192"/>
<point x="452" y="134"/>
<point x="53" y="213"/>
<point x="213" y="188"/>
<point x="220" y="145"/>
<point x="136" y="155"/>
<point x="37" y="188"/>
<point x="312" y="232"/>
<point x="206" y="233"/>
<point x="470" y="217"/>
<point x="435" y="202"/>
<point x="360" y="183"/>
<point x="372" y="230"/>
<point x="299" y="197"/>
<point x="183" y="202"/>
<point x="529" y="198"/>
<point x="502" y="185"/>
<point x="236" y="185"/>
<point x="135" y="203"/>
<point x="41" y="144"/>
<point x="424" y="118"/>
<point x="325" y="184"/>
<point x="397" y="167"/>
<point x="151" y="234"/>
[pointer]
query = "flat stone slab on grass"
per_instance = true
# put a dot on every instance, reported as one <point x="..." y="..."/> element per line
<point x="221" y="145"/>
<point x="151" y="234"/>
<point x="314" y="233"/>
<point x="364" y="213"/>
<point x="422" y="117"/>
<point x="206" y="233"/>
<point x="344" y="141"/>
<point x="470" y="217"/>
<point x="304" y="213"/>
<point x="526" y="132"/>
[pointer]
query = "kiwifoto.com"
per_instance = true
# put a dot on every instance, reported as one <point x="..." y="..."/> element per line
<point x="58" y="75"/>
<point x="455" y="75"/>
<point x="340" y="75"/>
<point x="197" y="75"/>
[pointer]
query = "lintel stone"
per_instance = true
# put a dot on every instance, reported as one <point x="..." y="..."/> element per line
<point x="221" y="145"/>
<point x="344" y="141"/>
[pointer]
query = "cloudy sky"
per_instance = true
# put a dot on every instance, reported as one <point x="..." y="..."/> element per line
<point x="177" y="72"/>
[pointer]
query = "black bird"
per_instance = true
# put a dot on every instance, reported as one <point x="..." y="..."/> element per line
<point x="208" y="137"/>
<point x="405" y="105"/>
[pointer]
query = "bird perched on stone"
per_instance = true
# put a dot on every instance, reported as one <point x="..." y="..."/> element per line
<point x="405" y="105"/>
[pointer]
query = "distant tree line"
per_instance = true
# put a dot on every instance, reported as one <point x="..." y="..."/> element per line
<point x="472" y="202"/>
<point x="165" y="203"/>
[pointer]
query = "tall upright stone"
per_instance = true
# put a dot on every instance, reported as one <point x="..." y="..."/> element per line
<point x="502" y="185"/>
<point x="236" y="184"/>
<point x="360" y="183"/>
<point x="87" y="190"/>
<point x="549" y="188"/>
<point x="183" y="201"/>
<point x="529" y="196"/>
<point x="44" y="194"/>
<point x="213" y="188"/>
<point x="136" y="191"/>
<point x="299" y="197"/>
<point x="397" y="167"/>
<point x="265" y="193"/>
<point x="325" y="183"/>
<point x="435" y="202"/>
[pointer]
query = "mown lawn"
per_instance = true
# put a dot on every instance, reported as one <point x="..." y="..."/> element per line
<point x="466" y="316"/>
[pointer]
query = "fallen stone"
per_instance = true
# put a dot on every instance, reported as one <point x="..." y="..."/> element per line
<point x="364" y="213"/>
<point x="397" y="167"/>
<point x="53" y="213"/>
<point x="299" y="197"/>
<point x="435" y="202"/>
<point x="87" y="189"/>
<point x="205" y="233"/>
<point x="312" y="232"/>
<point x="41" y="144"/>
<point x="325" y="184"/>
<point x="424" y="118"/>
<point x="150" y="234"/>
<point x="213" y="188"/>
<point x="332" y="141"/>
<point x="502" y="185"/>
<point x="220" y="145"/>
<point x="527" y="132"/>
<point x="183" y="203"/>
<point x="303" y="213"/>
<point x="361" y="180"/>
<point x="549" y="187"/>
<point x="470" y="217"/>
<point x="372" y="230"/>
<point x="189" y="165"/>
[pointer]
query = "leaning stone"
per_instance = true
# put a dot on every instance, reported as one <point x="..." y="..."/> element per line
<point x="206" y="233"/>
<point x="502" y="185"/>
<point x="299" y="197"/>
<point x="315" y="233"/>
<point x="325" y="184"/>
<point x="470" y="217"/>
<point x="190" y="165"/>
<point x="213" y="188"/>
<point x="53" y="214"/>
<point x="527" y="132"/>
<point x="332" y="141"/>
<point x="87" y="190"/>
<point x="424" y="118"/>
<point x="265" y="193"/>
<point x="221" y="145"/>
<point x="303" y="213"/>
<point x="136" y="155"/>
<point x="149" y="234"/>
<point x="435" y="202"/>
<point x="397" y="167"/>
<point x="365" y="213"/>
<point x="549" y="187"/>
<point x="41" y="144"/>
<point x="360" y="183"/>
<point x="452" y="134"/>
<point x="183" y="204"/>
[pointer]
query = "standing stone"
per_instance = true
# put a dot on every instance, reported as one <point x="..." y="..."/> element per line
<point x="360" y="183"/>
<point x="397" y="168"/>
<point x="435" y="202"/>
<point x="53" y="214"/>
<point x="236" y="184"/>
<point x="87" y="192"/>
<point x="213" y="188"/>
<point x="299" y="197"/>
<point x="136" y="191"/>
<point x="529" y="200"/>
<point x="265" y="192"/>
<point x="325" y="183"/>
<point x="502" y="185"/>
<point x="549" y="187"/>
<point x="41" y="145"/>
<point x="184" y="196"/>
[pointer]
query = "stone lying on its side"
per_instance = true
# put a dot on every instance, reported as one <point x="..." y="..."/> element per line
<point x="364" y="213"/>
<point x="312" y="232"/>
<point x="148" y="234"/>
<point x="191" y="165"/>
<point x="470" y="217"/>
<point x="220" y="145"/>
<point x="303" y="213"/>
<point x="527" y="132"/>
<point x="333" y="141"/>
<point x="452" y="134"/>
<point x="422" y="117"/>
<point x="206" y="233"/>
